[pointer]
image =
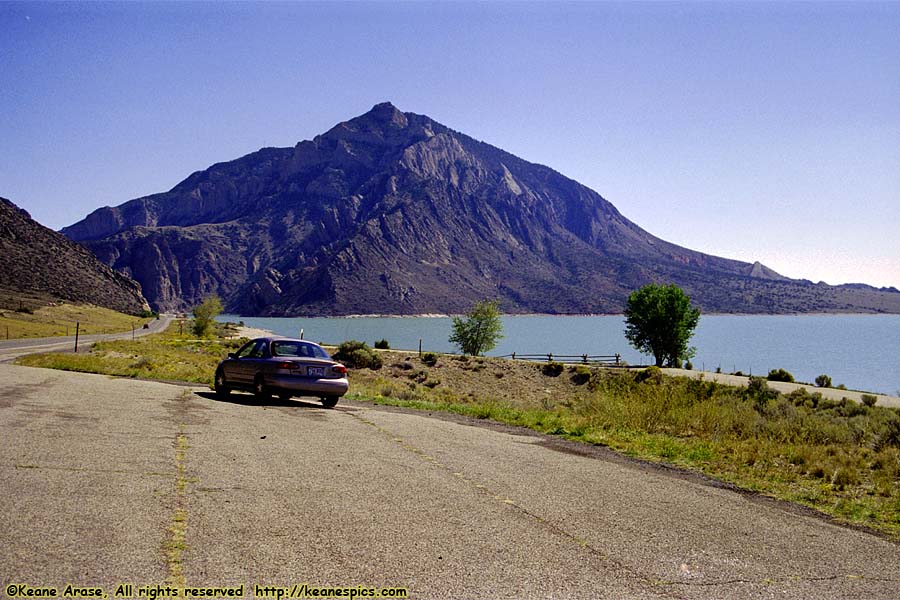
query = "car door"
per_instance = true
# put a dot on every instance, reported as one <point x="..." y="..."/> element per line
<point x="242" y="368"/>
<point x="254" y="361"/>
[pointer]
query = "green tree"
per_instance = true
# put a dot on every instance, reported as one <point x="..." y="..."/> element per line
<point x="660" y="321"/>
<point x="480" y="330"/>
<point x="204" y="314"/>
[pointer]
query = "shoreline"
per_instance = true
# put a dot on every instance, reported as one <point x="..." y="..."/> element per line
<point x="451" y="315"/>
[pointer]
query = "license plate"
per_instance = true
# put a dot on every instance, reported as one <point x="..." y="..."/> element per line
<point x="315" y="371"/>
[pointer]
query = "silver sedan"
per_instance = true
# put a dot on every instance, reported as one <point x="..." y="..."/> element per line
<point x="284" y="367"/>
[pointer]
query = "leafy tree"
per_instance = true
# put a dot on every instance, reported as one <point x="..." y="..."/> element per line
<point x="204" y="314"/>
<point x="480" y="330"/>
<point x="660" y="321"/>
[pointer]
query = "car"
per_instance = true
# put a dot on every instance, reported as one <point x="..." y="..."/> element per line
<point x="285" y="367"/>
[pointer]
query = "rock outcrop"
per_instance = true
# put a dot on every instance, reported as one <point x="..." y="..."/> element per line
<point x="39" y="261"/>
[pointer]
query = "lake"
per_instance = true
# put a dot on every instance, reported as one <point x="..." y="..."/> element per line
<point x="859" y="351"/>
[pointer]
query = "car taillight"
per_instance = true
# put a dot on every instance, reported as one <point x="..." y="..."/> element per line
<point x="285" y="365"/>
<point x="339" y="369"/>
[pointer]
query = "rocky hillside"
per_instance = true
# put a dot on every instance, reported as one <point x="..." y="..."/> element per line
<point x="392" y="212"/>
<point x="40" y="262"/>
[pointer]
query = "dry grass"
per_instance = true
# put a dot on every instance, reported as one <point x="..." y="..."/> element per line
<point x="59" y="319"/>
<point x="168" y="356"/>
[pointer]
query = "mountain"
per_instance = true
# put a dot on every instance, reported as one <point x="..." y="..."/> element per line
<point x="41" y="262"/>
<point x="394" y="213"/>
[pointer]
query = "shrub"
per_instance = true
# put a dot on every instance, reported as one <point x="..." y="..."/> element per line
<point x="758" y="391"/>
<point x="382" y="345"/>
<point x="580" y="375"/>
<point x="480" y="330"/>
<point x="780" y="375"/>
<point x="205" y="313"/>
<point x="823" y="381"/>
<point x="358" y="355"/>
<point x="552" y="369"/>
<point x="688" y="365"/>
<point x="430" y="359"/>
<point x="650" y="374"/>
<point x="869" y="400"/>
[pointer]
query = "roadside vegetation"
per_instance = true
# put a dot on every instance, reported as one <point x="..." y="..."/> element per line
<point x="26" y="320"/>
<point x="167" y="356"/>
<point x="841" y="458"/>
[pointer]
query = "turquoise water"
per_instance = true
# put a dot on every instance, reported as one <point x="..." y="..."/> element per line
<point x="859" y="351"/>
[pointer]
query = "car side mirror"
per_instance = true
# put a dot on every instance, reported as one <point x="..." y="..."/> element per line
<point x="232" y="355"/>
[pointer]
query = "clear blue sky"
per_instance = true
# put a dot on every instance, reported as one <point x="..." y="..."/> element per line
<point x="756" y="131"/>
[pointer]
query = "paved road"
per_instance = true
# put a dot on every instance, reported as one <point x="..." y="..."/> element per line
<point x="11" y="349"/>
<point x="106" y="481"/>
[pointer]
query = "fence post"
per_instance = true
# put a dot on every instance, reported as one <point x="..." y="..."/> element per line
<point x="76" y="336"/>
<point x="618" y="356"/>
<point x="549" y="358"/>
<point x="513" y="354"/>
<point x="584" y="358"/>
<point x="420" y="347"/>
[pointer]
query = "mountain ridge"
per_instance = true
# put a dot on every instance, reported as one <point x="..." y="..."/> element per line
<point x="42" y="262"/>
<point x="392" y="212"/>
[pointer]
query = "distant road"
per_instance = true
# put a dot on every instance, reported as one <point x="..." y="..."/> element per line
<point x="108" y="481"/>
<point x="11" y="349"/>
<point x="785" y="387"/>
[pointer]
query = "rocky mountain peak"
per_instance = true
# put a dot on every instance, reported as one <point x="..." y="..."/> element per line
<point x="393" y="212"/>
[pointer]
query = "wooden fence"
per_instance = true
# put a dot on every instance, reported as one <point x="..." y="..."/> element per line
<point x="584" y="359"/>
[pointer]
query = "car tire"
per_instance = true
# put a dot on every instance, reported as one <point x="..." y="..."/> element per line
<point x="329" y="401"/>
<point x="260" y="389"/>
<point x="222" y="390"/>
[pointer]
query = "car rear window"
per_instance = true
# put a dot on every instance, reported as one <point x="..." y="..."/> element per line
<point x="299" y="349"/>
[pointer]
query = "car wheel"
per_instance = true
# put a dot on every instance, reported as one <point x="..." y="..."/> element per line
<point x="260" y="389"/>
<point x="329" y="401"/>
<point x="222" y="390"/>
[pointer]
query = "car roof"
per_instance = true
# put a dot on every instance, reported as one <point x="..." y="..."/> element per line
<point x="271" y="339"/>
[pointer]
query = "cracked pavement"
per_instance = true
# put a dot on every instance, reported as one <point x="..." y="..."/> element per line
<point x="109" y="481"/>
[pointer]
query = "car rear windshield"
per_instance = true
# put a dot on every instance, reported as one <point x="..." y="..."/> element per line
<point x="301" y="349"/>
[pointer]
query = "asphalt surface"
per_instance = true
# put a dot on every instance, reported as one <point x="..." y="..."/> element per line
<point x="12" y="349"/>
<point x="107" y="481"/>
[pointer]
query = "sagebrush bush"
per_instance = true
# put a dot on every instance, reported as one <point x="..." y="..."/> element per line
<point x="552" y="369"/>
<point x="581" y="374"/>
<point x="430" y="359"/>
<point x="780" y="375"/>
<point x="382" y="344"/>
<point x="869" y="400"/>
<point x="650" y="374"/>
<point x="357" y="355"/>
<point x="823" y="381"/>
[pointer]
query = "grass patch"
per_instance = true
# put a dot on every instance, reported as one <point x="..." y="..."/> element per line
<point x="60" y="319"/>
<point x="166" y="356"/>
